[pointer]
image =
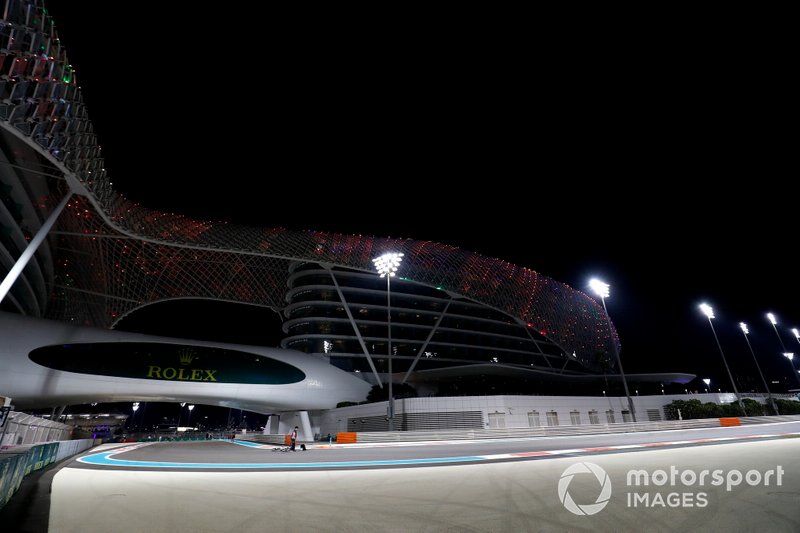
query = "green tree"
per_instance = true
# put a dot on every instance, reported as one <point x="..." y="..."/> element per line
<point x="689" y="409"/>
<point x="712" y="410"/>
<point x="753" y="407"/>
<point x="788" y="407"/>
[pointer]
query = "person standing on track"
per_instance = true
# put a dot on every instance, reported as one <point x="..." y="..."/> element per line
<point x="294" y="438"/>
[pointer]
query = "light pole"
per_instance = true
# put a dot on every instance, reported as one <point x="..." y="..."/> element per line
<point x="191" y="408"/>
<point x="709" y="312"/>
<point x="178" y="425"/>
<point x="786" y="353"/>
<point x="386" y="265"/>
<point x="602" y="290"/>
<point x="746" y="332"/>
<point x="790" y="357"/>
<point x="797" y="338"/>
<point x="133" y="417"/>
<point x="707" y="381"/>
<point x="774" y="322"/>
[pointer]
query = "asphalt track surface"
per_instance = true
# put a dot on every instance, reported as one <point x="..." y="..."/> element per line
<point x="242" y="456"/>
<point x="492" y="496"/>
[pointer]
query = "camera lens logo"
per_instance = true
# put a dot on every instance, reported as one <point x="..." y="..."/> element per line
<point x="590" y="508"/>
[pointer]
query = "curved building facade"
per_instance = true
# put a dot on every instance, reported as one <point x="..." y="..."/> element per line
<point x="431" y="328"/>
<point x="453" y="312"/>
<point x="27" y="181"/>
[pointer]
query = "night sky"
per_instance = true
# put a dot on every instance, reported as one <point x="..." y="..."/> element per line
<point x="664" y="173"/>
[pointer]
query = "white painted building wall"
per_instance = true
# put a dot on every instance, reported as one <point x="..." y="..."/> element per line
<point x="513" y="411"/>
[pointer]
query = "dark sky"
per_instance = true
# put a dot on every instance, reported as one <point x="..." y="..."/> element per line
<point x="664" y="169"/>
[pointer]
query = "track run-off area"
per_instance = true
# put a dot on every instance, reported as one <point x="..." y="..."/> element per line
<point x="654" y="481"/>
<point x="244" y="455"/>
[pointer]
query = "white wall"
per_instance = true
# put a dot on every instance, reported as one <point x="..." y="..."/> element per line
<point x="515" y="409"/>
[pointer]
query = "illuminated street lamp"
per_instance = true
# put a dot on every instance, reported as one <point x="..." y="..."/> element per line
<point x="746" y="332"/>
<point x="133" y="417"/>
<point x="774" y="323"/>
<point x="387" y="265"/>
<point x="707" y="381"/>
<point x="178" y="425"/>
<point x="601" y="289"/>
<point x="786" y="353"/>
<point x="709" y="312"/>
<point x="790" y="357"/>
<point x="191" y="408"/>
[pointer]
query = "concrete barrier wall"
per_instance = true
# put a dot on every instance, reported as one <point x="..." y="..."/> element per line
<point x="12" y="471"/>
<point x="544" y="431"/>
<point x="276" y="439"/>
<point x="73" y="447"/>
<point x="19" y="461"/>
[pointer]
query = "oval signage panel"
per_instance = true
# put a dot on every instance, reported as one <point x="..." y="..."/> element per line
<point x="170" y="362"/>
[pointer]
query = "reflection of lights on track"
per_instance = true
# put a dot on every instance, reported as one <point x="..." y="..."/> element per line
<point x="107" y="459"/>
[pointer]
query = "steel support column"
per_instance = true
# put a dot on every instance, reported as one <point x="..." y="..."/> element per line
<point x="355" y="327"/>
<point x="428" y="340"/>
<point x="37" y="240"/>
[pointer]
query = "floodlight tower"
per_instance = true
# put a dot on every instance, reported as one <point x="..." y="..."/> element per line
<point x="387" y="265"/>
<point x="601" y="289"/>
<point x="709" y="312"/>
